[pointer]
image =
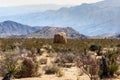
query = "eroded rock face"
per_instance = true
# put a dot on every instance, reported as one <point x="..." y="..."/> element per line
<point x="60" y="38"/>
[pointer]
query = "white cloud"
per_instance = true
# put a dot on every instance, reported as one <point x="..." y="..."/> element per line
<point x="30" y="2"/>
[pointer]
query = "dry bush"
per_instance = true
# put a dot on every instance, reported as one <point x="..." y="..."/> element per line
<point x="67" y="59"/>
<point x="29" y="69"/>
<point x="63" y="58"/>
<point x="89" y="66"/>
<point x="60" y="73"/>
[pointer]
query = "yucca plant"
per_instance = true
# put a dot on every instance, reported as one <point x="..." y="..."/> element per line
<point x="9" y="65"/>
<point x="113" y="68"/>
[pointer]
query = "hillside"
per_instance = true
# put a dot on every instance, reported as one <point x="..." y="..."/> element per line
<point x="9" y="28"/>
<point x="48" y="32"/>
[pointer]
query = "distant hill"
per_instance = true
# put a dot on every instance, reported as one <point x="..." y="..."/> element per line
<point x="107" y="35"/>
<point x="89" y="19"/>
<point x="9" y="28"/>
<point x="116" y="36"/>
<point x="48" y="32"/>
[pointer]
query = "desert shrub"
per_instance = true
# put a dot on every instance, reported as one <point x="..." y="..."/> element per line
<point x="109" y="66"/>
<point x="39" y="51"/>
<point x="65" y="58"/>
<point x="103" y="71"/>
<point x="118" y="72"/>
<point x="48" y="48"/>
<point x="60" y="73"/>
<point x="118" y="45"/>
<point x="33" y="51"/>
<point x="69" y="58"/>
<point x="52" y="55"/>
<point x="52" y="70"/>
<point x="93" y="47"/>
<point x="89" y="65"/>
<point x="29" y="69"/>
<point x="108" y="71"/>
<point x="112" y="55"/>
<point x="99" y="52"/>
<point x="43" y="61"/>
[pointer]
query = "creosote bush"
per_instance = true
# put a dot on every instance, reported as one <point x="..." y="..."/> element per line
<point x="52" y="70"/>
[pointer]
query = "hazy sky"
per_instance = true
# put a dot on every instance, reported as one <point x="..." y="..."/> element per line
<point x="33" y="2"/>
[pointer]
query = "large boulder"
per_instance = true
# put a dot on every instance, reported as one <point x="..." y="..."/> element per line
<point x="60" y="38"/>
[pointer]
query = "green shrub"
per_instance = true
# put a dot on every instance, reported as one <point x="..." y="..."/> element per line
<point x="113" y="68"/>
<point x="52" y="70"/>
<point x="111" y="55"/>
<point x="108" y="66"/>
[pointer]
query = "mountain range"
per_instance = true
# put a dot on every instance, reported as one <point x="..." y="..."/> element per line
<point x="89" y="19"/>
<point x="11" y="29"/>
<point x="108" y="35"/>
<point x="26" y="9"/>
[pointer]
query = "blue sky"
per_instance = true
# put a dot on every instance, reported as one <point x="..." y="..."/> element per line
<point x="37" y="2"/>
